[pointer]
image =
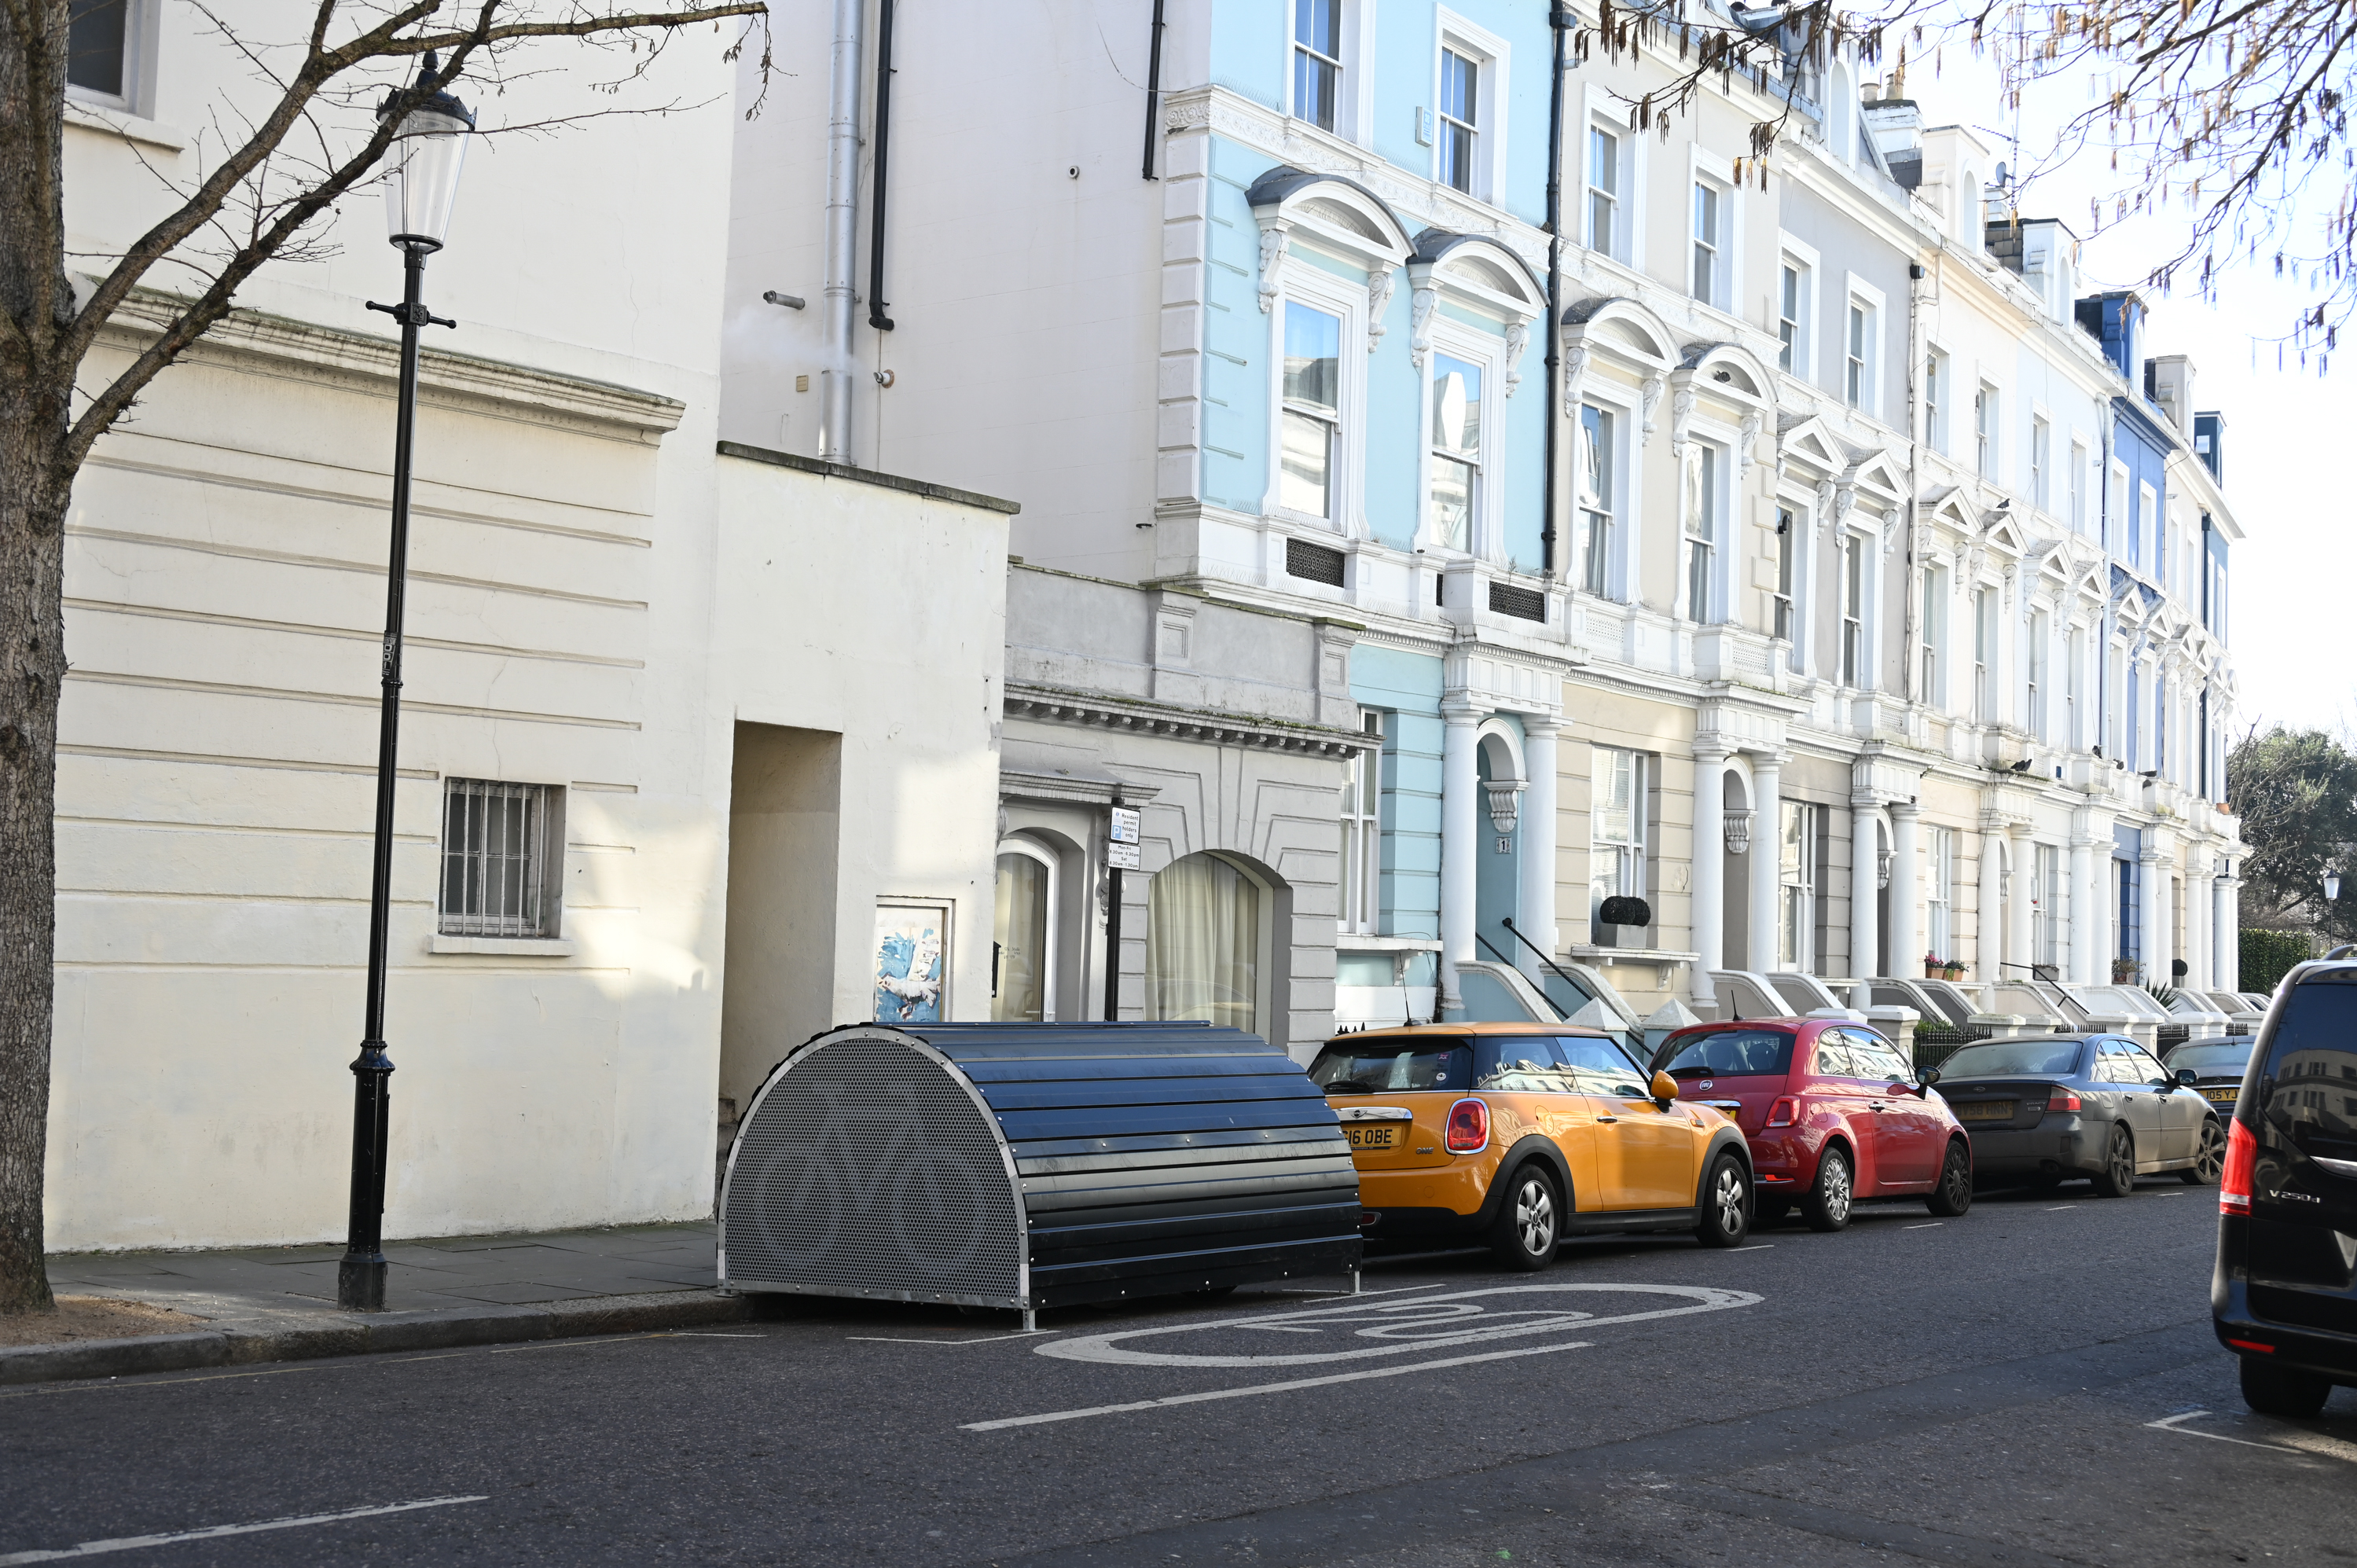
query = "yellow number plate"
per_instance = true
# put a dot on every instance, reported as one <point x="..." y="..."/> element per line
<point x="1988" y="1111"/>
<point x="1381" y="1135"/>
<point x="2222" y="1096"/>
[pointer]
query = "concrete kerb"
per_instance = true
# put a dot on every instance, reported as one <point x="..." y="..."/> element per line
<point x="237" y="1346"/>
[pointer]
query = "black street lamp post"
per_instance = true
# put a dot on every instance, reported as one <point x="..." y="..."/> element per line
<point x="421" y="179"/>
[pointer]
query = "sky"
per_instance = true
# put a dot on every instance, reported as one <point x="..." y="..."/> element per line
<point x="2290" y="447"/>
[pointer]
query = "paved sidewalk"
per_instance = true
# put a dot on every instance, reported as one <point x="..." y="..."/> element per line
<point x="277" y="1284"/>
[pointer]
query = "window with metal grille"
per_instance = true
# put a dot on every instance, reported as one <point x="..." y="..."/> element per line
<point x="1315" y="562"/>
<point x="502" y="848"/>
<point x="1524" y="604"/>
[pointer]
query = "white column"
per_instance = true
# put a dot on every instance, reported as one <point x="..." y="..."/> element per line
<point x="2021" y="889"/>
<point x="1534" y="906"/>
<point x="1460" y="845"/>
<point x="2225" y="930"/>
<point x="1988" y="921"/>
<point x="2086" y="926"/>
<point x="1767" y="858"/>
<point x="1709" y="868"/>
<point x="1865" y="841"/>
<point x="2155" y="915"/>
<point x="1906" y="888"/>
<point x="2197" y="917"/>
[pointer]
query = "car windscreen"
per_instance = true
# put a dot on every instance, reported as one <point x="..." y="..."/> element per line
<point x="1375" y="1066"/>
<point x="1996" y="1059"/>
<point x="1726" y="1052"/>
<point x="2210" y="1060"/>
<point x="2311" y="1068"/>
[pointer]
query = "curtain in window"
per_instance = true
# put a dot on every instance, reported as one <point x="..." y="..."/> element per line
<point x="1202" y="945"/>
<point x="1019" y="991"/>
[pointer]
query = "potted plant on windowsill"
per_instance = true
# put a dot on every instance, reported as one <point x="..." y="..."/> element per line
<point x="1955" y="970"/>
<point x="2123" y="971"/>
<point x="1934" y="967"/>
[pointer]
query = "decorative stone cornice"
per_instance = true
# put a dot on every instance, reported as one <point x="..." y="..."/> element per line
<point x="1167" y="722"/>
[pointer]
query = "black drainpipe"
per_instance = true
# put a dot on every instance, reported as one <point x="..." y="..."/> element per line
<point x="876" y="317"/>
<point x="1153" y="86"/>
<point x="1560" y="20"/>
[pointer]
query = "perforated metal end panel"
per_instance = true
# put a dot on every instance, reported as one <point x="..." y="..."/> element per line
<point x="867" y="1167"/>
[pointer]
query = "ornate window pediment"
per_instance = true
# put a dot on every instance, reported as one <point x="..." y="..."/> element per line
<point x="1477" y="274"/>
<point x="1625" y="334"/>
<point x="1337" y="216"/>
<point x="1728" y="375"/>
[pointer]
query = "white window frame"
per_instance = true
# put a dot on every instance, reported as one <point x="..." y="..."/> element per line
<point x="1486" y="532"/>
<point x="1853" y="646"/>
<point x="2115" y="508"/>
<point x="139" y="52"/>
<point x="1609" y="115"/>
<point x="1796" y="888"/>
<point x="1031" y="849"/>
<point x="1980" y="603"/>
<point x="1859" y="294"/>
<point x="1314" y="286"/>
<point x="1363" y="836"/>
<point x="2046" y="895"/>
<point x="1939" y="386"/>
<point x="2078" y="485"/>
<point x="1492" y="59"/>
<point x="1630" y="868"/>
<point x="541" y="913"/>
<point x="1932" y="668"/>
<point x="1715" y="458"/>
<point x="1783" y="599"/>
<point x="1988" y="416"/>
<point x="2147" y="529"/>
<point x="2035" y="676"/>
<point x="1595" y="575"/>
<point x="2042" y="458"/>
<point x="2074" y="682"/>
<point x="1354" y="100"/>
<point x="1801" y="503"/>
<point x="1801" y="258"/>
<point x="1706" y="170"/>
<point x="1940" y="891"/>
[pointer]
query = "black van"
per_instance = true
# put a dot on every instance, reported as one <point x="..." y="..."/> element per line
<point x="2283" y="1297"/>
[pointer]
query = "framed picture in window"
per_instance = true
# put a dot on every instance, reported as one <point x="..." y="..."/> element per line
<point x="911" y="957"/>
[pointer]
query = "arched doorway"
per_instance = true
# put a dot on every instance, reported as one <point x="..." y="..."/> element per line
<point x="1206" y="942"/>
<point x="1023" y="936"/>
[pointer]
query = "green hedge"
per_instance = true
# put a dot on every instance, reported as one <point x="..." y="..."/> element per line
<point x="2267" y="955"/>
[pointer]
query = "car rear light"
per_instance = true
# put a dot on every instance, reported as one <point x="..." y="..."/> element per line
<point x="1469" y="1127"/>
<point x="2252" y="1345"/>
<point x="2235" y="1181"/>
<point x="1784" y="1112"/>
<point x="2063" y="1100"/>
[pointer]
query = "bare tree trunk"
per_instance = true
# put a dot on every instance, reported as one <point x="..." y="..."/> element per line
<point x="36" y="394"/>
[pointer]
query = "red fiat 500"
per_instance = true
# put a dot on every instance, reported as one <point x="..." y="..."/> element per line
<point x="1831" y="1114"/>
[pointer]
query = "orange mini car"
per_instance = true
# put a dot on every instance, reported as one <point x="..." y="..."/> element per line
<point x="1517" y="1134"/>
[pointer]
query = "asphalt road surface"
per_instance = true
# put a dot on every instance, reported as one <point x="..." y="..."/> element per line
<point x="2033" y="1383"/>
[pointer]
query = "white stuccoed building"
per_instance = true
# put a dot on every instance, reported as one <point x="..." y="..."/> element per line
<point x="683" y="733"/>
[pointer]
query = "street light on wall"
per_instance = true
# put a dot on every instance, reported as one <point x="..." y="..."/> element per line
<point x="421" y="183"/>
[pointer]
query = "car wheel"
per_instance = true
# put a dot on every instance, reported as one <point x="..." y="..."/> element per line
<point x="2117" y="1177"/>
<point x="1725" y="1205"/>
<point x="1826" y="1205"/>
<point x="2208" y="1159"/>
<point x="2279" y="1391"/>
<point x="1954" y="1193"/>
<point x="1524" y="1235"/>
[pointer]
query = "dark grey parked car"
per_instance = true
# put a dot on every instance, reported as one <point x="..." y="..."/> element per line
<point x="2052" y="1107"/>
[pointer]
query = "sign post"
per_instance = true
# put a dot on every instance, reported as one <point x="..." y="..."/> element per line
<point x="1122" y="839"/>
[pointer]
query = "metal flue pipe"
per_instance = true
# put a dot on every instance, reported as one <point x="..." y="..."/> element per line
<point x="842" y="231"/>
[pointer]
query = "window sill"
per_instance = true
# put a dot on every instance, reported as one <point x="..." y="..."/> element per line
<point x="501" y="947"/>
<point x="1356" y="941"/>
<point x="109" y="121"/>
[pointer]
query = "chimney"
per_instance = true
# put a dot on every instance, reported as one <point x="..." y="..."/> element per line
<point x="2168" y="382"/>
<point x="1896" y="126"/>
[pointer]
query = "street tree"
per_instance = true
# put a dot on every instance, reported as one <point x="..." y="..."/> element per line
<point x="304" y="139"/>
<point x="2296" y="793"/>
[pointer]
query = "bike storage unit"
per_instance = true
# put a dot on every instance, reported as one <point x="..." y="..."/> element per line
<point x="1029" y="1166"/>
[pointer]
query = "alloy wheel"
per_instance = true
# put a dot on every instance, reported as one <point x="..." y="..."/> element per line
<point x="1836" y="1184"/>
<point x="1535" y="1215"/>
<point x="1729" y="1196"/>
<point x="2209" y="1157"/>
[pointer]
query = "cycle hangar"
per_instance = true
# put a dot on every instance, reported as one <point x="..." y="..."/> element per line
<point x="1031" y="1166"/>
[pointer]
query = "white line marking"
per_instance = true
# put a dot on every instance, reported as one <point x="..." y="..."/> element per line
<point x="993" y="1340"/>
<point x="1406" y="1327"/>
<point x="1755" y="1247"/>
<point x="171" y="1537"/>
<point x="1267" y="1388"/>
<point x="2168" y="1194"/>
<point x="2170" y="1425"/>
<point x="2061" y="1207"/>
<point x="1934" y="1225"/>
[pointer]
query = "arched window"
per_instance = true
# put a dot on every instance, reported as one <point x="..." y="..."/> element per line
<point x="1022" y="967"/>
<point x="1204" y="945"/>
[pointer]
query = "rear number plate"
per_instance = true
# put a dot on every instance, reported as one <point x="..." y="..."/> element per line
<point x="2222" y="1096"/>
<point x="1986" y="1111"/>
<point x="1377" y="1137"/>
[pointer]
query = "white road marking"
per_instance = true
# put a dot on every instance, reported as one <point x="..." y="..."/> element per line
<point x="1755" y="1247"/>
<point x="2061" y="1207"/>
<point x="2170" y="1425"/>
<point x="1264" y="1388"/>
<point x="1934" y="1225"/>
<point x="992" y="1339"/>
<point x="1405" y="1327"/>
<point x="173" y="1538"/>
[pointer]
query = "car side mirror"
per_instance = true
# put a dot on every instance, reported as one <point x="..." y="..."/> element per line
<point x="1928" y="1077"/>
<point x="1665" y="1087"/>
<point x="2186" y="1076"/>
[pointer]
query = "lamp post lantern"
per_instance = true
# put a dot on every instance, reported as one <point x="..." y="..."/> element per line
<point x="2331" y="886"/>
<point x="421" y="181"/>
